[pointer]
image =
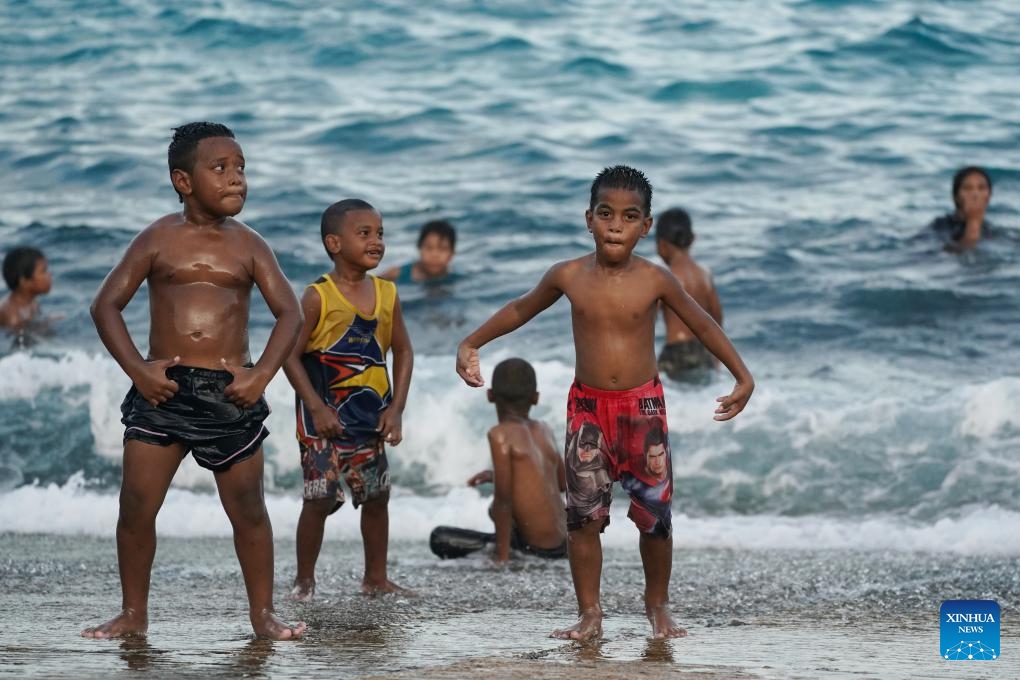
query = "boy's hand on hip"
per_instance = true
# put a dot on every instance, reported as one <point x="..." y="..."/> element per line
<point x="389" y="427"/>
<point x="734" y="402"/>
<point x="152" y="382"/>
<point x="247" y="387"/>
<point x="468" y="367"/>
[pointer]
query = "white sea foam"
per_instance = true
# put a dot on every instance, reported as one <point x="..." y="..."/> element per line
<point x="72" y="509"/>
<point x="990" y="408"/>
<point x="802" y="444"/>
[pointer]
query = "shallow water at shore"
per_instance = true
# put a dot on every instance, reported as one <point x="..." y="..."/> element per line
<point x="764" y="614"/>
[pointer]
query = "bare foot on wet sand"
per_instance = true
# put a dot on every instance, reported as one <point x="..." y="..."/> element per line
<point x="303" y="590"/>
<point x="663" y="625"/>
<point x="266" y="625"/>
<point x="588" y="627"/>
<point x="385" y="588"/>
<point x="129" y="623"/>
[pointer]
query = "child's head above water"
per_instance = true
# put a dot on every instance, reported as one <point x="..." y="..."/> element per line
<point x="622" y="177"/>
<point x="27" y="267"/>
<point x="514" y="384"/>
<point x="674" y="227"/>
<point x="437" y="241"/>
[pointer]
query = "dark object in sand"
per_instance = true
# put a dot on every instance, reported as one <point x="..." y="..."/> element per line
<point x="451" y="542"/>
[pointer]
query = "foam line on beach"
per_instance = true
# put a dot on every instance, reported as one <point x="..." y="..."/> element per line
<point x="73" y="509"/>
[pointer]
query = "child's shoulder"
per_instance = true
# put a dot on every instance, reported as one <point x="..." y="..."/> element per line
<point x="387" y="288"/>
<point x="163" y="225"/>
<point x="572" y="266"/>
<point x="646" y="267"/>
<point x="7" y="312"/>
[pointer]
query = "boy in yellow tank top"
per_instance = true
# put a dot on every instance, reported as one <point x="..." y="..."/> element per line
<point x="347" y="409"/>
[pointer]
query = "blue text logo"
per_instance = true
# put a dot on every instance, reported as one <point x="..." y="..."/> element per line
<point x="969" y="630"/>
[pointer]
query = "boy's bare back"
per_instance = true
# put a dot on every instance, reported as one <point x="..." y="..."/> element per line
<point x="697" y="282"/>
<point x="537" y="479"/>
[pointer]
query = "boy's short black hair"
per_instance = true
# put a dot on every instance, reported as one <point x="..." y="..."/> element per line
<point x="440" y="228"/>
<point x="20" y="264"/>
<point x="674" y="226"/>
<point x="181" y="153"/>
<point x="965" y="172"/>
<point x="513" y="382"/>
<point x="622" y="177"/>
<point x="333" y="216"/>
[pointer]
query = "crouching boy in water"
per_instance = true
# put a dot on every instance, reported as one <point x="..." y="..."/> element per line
<point x="197" y="390"/>
<point x="527" y="472"/>
<point x="346" y="409"/>
<point x="616" y="399"/>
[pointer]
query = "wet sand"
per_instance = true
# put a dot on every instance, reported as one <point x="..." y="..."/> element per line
<point x="750" y="615"/>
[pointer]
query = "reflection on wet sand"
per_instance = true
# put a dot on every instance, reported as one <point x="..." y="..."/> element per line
<point x="659" y="651"/>
<point x="250" y="660"/>
<point x="587" y="650"/>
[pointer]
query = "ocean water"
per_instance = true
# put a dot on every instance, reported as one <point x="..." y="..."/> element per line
<point x="811" y="140"/>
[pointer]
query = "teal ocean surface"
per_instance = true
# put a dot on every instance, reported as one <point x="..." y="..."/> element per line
<point x="812" y="141"/>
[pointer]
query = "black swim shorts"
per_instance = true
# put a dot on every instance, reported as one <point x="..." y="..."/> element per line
<point x="216" y="431"/>
<point x="687" y="361"/>
<point x="517" y="542"/>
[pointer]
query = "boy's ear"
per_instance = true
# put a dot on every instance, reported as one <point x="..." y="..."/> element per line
<point x="647" y="226"/>
<point x="491" y="397"/>
<point x="534" y="398"/>
<point x="332" y="242"/>
<point x="587" y="219"/>
<point x="181" y="181"/>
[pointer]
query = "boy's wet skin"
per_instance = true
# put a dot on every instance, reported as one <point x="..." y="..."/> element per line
<point x="614" y="299"/>
<point x="200" y="265"/>
<point x="131" y="623"/>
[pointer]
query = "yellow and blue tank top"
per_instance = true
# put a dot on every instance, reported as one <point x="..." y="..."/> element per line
<point x="345" y="359"/>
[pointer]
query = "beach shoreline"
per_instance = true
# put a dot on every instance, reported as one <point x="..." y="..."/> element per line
<point x="750" y="614"/>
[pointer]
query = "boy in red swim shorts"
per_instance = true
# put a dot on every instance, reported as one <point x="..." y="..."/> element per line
<point x="616" y="411"/>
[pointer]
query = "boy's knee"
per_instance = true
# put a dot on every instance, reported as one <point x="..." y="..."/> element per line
<point x="588" y="530"/>
<point x="136" y="506"/>
<point x="376" y="503"/>
<point x="319" y="507"/>
<point x="248" y="507"/>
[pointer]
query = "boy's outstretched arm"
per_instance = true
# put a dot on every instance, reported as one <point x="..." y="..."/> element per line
<point x="714" y="339"/>
<point x="714" y="306"/>
<point x="513" y="315"/>
<point x="502" y="495"/>
<point x="116" y="290"/>
<point x="324" y="418"/>
<point x="390" y="426"/>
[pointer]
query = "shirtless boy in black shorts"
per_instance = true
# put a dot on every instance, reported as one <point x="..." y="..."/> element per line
<point x="197" y="390"/>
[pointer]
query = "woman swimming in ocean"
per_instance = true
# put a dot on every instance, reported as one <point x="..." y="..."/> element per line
<point x="964" y="227"/>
